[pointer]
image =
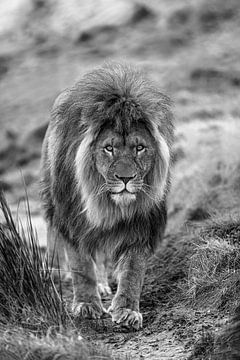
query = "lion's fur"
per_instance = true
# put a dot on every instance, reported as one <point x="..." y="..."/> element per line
<point x="111" y="95"/>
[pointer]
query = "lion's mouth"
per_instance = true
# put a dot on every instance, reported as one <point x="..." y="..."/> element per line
<point x="122" y="192"/>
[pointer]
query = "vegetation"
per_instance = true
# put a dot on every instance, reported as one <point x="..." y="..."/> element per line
<point x="214" y="273"/>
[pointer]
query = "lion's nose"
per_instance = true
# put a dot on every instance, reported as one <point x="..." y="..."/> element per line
<point x="125" y="179"/>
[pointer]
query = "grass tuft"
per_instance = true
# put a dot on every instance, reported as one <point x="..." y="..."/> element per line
<point x="214" y="270"/>
<point x="225" y="228"/>
<point x="27" y="293"/>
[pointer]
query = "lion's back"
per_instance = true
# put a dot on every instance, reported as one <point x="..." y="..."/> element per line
<point x="57" y="158"/>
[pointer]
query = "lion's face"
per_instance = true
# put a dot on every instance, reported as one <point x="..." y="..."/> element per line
<point x="124" y="160"/>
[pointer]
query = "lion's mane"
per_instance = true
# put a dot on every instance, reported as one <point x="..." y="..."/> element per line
<point x="111" y="95"/>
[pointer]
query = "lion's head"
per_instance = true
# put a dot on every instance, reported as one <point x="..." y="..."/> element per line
<point x="124" y="161"/>
<point x="124" y="135"/>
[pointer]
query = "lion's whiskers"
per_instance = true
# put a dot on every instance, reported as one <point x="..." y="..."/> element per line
<point x="147" y="186"/>
<point x="102" y="189"/>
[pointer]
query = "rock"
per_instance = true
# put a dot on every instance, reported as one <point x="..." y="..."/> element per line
<point x="4" y="65"/>
<point x="180" y="17"/>
<point x="198" y="214"/>
<point x="178" y="154"/>
<point x="106" y="32"/>
<point x="216" y="77"/>
<point x="140" y="13"/>
<point x="36" y="136"/>
<point x="5" y="186"/>
<point x="22" y="152"/>
<point x="212" y="17"/>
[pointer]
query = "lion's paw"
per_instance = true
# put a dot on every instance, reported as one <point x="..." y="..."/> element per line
<point x="127" y="318"/>
<point x="88" y="310"/>
<point x="104" y="289"/>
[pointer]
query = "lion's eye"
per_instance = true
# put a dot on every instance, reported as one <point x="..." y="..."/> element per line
<point x="140" y="148"/>
<point x="109" y="148"/>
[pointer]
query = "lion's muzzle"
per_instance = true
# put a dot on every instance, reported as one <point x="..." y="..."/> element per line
<point x="125" y="181"/>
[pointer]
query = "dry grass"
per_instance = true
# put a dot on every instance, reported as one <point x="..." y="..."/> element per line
<point x="204" y="348"/>
<point x="226" y="228"/>
<point x="214" y="269"/>
<point x="16" y="345"/>
<point x="228" y="343"/>
<point x="27" y="291"/>
<point x="223" y="346"/>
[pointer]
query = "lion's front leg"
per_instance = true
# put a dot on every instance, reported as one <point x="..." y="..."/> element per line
<point x="102" y="273"/>
<point x="86" y="299"/>
<point x="125" y="304"/>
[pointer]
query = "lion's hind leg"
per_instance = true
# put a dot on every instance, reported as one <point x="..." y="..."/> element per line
<point x="86" y="299"/>
<point x="56" y="254"/>
<point x="102" y="274"/>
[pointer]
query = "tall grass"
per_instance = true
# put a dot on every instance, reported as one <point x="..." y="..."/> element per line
<point x="214" y="268"/>
<point x="214" y="274"/>
<point x="27" y="292"/>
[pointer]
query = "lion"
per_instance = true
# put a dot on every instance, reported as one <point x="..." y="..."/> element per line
<point x="105" y="175"/>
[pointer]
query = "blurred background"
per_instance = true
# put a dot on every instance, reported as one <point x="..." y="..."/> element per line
<point x="191" y="48"/>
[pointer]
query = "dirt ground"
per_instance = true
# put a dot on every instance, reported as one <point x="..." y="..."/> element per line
<point x="191" y="49"/>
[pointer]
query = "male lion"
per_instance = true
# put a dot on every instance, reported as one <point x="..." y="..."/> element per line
<point x="105" y="176"/>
